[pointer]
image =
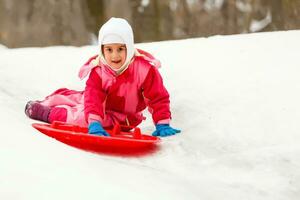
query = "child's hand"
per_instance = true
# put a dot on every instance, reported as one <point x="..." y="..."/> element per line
<point x="95" y="128"/>
<point x="164" y="130"/>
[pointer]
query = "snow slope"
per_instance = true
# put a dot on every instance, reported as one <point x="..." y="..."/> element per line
<point x="236" y="99"/>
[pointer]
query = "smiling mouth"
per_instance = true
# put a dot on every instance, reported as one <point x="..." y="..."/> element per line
<point x="116" y="62"/>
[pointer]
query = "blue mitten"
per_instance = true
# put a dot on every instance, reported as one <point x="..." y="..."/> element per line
<point x="164" y="130"/>
<point x="95" y="128"/>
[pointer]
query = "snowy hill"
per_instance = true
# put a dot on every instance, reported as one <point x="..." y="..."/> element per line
<point x="236" y="99"/>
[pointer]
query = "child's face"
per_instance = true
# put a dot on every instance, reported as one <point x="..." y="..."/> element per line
<point x="115" y="54"/>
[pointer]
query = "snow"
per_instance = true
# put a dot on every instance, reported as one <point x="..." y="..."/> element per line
<point x="236" y="99"/>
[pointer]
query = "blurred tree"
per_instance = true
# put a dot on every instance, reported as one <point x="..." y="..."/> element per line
<point x="95" y="15"/>
<point x="183" y="19"/>
<point x="43" y="23"/>
<point x="117" y="8"/>
<point x="276" y="8"/>
<point x="285" y="14"/>
<point x="292" y="14"/>
<point x="230" y="17"/>
<point x="165" y="21"/>
<point x="71" y="22"/>
<point x="145" y="19"/>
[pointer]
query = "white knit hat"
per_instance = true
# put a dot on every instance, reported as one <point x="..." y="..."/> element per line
<point x="117" y="30"/>
<point x="111" y="39"/>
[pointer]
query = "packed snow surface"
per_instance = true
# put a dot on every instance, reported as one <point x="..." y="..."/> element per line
<point x="235" y="98"/>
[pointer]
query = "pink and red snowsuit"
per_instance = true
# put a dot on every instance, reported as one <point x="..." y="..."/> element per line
<point x="110" y="98"/>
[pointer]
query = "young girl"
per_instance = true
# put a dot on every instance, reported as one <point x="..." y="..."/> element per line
<point x="122" y="82"/>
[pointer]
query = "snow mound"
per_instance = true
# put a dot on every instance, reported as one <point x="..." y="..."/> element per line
<point x="235" y="98"/>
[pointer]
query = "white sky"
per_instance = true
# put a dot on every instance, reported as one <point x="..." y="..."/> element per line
<point x="236" y="99"/>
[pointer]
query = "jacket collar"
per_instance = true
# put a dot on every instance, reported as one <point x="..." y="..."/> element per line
<point x="95" y="61"/>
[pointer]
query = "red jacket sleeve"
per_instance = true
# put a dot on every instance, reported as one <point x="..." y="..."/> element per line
<point x="94" y="97"/>
<point x="157" y="96"/>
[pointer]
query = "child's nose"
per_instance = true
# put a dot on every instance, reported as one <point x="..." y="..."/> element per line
<point x="115" y="55"/>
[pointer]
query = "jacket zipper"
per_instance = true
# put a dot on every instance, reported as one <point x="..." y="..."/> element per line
<point x="127" y="121"/>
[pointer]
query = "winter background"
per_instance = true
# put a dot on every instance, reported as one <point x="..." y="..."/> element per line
<point x="235" y="98"/>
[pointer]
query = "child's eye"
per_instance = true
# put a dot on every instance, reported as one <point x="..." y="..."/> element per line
<point x="108" y="49"/>
<point x="121" y="49"/>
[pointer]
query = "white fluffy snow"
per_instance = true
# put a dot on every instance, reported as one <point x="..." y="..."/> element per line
<point x="236" y="99"/>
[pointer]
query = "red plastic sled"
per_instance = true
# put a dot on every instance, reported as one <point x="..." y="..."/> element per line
<point x="130" y="143"/>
